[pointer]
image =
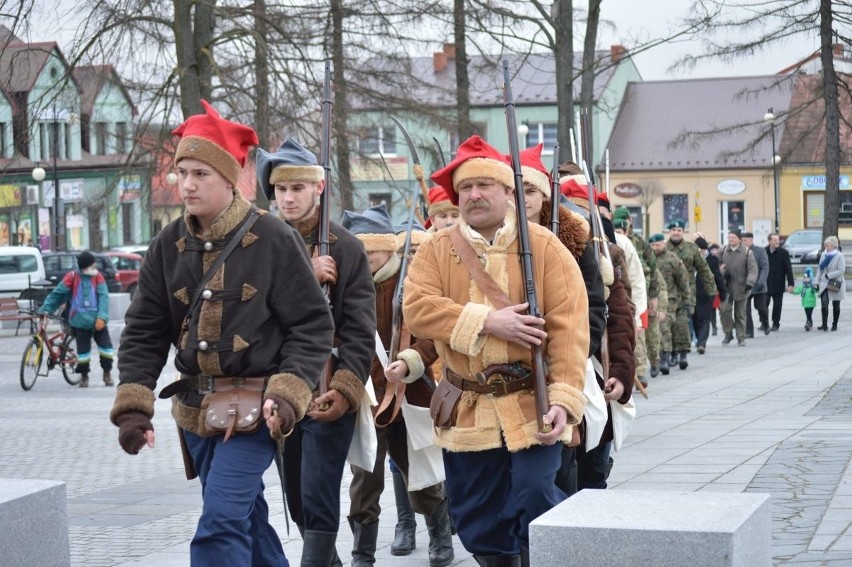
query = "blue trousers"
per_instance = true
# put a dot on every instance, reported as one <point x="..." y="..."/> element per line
<point x="234" y="525"/>
<point x="314" y="458"/>
<point x="495" y="494"/>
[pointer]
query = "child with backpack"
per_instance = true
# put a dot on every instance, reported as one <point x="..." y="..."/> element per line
<point x="85" y="291"/>
<point x="809" y="294"/>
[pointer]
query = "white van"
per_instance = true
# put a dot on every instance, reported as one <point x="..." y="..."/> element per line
<point x="20" y="267"/>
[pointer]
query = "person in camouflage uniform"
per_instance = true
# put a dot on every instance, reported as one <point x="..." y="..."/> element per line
<point x="695" y="265"/>
<point x="677" y="286"/>
<point x="655" y="317"/>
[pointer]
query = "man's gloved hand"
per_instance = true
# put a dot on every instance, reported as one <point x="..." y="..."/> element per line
<point x="280" y="417"/>
<point x="100" y="324"/>
<point x="132" y="426"/>
<point x="748" y="289"/>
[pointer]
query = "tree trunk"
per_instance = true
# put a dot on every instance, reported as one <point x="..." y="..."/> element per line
<point x="832" y="122"/>
<point x="193" y="46"/>
<point x="340" y="116"/>
<point x="564" y="58"/>
<point x="465" y="127"/>
<point x="261" y="73"/>
<point x="587" y="86"/>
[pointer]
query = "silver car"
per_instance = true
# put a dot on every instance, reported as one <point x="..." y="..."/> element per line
<point x="804" y="246"/>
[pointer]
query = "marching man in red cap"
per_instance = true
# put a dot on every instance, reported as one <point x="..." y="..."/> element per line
<point x="500" y="469"/>
<point x="232" y="289"/>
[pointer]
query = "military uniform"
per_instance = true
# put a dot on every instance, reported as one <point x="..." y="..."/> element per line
<point x="695" y="264"/>
<point x="677" y="286"/>
<point x="652" y="334"/>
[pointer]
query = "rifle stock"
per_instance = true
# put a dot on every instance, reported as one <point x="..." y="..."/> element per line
<point x="542" y="404"/>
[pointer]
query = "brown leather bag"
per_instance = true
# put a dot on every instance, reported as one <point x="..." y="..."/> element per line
<point x="235" y="406"/>
<point x="443" y="408"/>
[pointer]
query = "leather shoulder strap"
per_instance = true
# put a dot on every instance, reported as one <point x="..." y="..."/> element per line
<point x="471" y="262"/>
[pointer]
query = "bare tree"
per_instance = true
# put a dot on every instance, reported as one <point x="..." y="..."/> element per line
<point x="651" y="190"/>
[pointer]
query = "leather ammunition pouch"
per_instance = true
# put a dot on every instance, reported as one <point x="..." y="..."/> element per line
<point x="444" y="405"/>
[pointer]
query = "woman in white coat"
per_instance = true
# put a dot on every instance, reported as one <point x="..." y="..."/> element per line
<point x="832" y="266"/>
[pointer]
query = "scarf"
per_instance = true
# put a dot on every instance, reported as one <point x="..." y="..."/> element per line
<point x="827" y="257"/>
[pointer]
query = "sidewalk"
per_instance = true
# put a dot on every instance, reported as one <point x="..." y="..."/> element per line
<point x="774" y="416"/>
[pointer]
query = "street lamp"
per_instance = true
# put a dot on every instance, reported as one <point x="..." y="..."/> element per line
<point x="523" y="130"/>
<point x="776" y="159"/>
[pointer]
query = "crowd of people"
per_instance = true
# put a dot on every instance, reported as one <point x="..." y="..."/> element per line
<point x="310" y="359"/>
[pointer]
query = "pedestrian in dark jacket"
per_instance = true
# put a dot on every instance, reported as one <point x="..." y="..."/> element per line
<point x="759" y="296"/>
<point x="780" y="270"/>
<point x="312" y="462"/>
<point x="703" y="300"/>
<point x="257" y="323"/>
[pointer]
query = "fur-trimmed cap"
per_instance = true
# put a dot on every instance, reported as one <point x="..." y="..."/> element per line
<point x="439" y="202"/>
<point x="576" y="193"/>
<point x="418" y="233"/>
<point x="373" y="228"/>
<point x="474" y="158"/>
<point x="534" y="170"/>
<point x="290" y="162"/>
<point x="220" y="143"/>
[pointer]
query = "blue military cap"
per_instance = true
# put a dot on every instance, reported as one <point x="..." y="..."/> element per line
<point x="290" y="162"/>
<point x="373" y="228"/>
<point x="656" y="238"/>
<point x="677" y="223"/>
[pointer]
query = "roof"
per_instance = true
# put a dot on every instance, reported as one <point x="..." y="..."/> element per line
<point x="91" y="79"/>
<point x="714" y="123"/>
<point x="21" y="63"/>
<point x="533" y="79"/>
<point x="805" y="128"/>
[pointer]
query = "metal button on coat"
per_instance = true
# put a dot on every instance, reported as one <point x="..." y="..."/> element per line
<point x="207" y="294"/>
<point x="202" y="345"/>
<point x="208" y="246"/>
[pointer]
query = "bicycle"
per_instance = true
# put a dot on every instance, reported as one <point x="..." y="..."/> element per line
<point x="60" y="349"/>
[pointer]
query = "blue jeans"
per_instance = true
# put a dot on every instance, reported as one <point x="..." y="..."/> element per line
<point x="495" y="494"/>
<point x="314" y="457"/>
<point x="234" y="525"/>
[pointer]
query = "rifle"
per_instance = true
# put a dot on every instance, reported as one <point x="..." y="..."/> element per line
<point x="325" y="200"/>
<point x="554" y="192"/>
<point x="542" y="404"/>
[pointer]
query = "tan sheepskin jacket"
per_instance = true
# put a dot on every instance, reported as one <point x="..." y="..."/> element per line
<point x="443" y="303"/>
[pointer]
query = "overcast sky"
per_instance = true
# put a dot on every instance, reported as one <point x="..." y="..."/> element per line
<point x="633" y="20"/>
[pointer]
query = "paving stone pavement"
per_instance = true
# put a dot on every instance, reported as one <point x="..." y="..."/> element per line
<point x="775" y="416"/>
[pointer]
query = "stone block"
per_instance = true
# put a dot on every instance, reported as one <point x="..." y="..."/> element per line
<point x="118" y="304"/>
<point x="35" y="523"/>
<point x="664" y="529"/>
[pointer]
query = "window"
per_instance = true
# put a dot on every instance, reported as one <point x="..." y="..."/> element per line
<point x="637" y="220"/>
<point x="100" y="138"/>
<point x="54" y="139"/>
<point x="69" y="140"/>
<point x="378" y="140"/>
<point x="675" y="207"/>
<point x="42" y="140"/>
<point x="121" y="137"/>
<point x="379" y="198"/>
<point x="545" y="133"/>
<point x="3" y="129"/>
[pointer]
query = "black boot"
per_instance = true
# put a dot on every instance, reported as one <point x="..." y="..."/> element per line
<point x="84" y="380"/>
<point x="654" y="370"/>
<point x="318" y="549"/>
<point x="664" y="363"/>
<point x="498" y="560"/>
<point x="824" y="313"/>
<point x="728" y="338"/>
<point x="406" y="525"/>
<point x="441" y="551"/>
<point x="673" y="359"/>
<point x="835" y="312"/>
<point x="682" y="362"/>
<point x="364" y="545"/>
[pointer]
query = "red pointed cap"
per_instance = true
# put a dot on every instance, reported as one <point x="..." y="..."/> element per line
<point x="579" y="194"/>
<point x="439" y="202"/>
<point x="220" y="143"/>
<point x="534" y="170"/>
<point x="474" y="158"/>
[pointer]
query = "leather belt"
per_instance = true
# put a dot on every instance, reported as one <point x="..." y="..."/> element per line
<point x="498" y="386"/>
<point x="204" y="384"/>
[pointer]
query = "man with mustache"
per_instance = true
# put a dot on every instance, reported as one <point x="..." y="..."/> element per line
<point x="500" y="469"/>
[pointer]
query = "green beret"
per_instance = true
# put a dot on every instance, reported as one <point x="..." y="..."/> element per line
<point x="620" y="223"/>
<point x="677" y="223"/>
<point x="656" y="238"/>
<point x="620" y="213"/>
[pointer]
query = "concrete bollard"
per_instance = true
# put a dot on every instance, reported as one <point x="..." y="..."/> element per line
<point x="664" y="529"/>
<point x="34" y="517"/>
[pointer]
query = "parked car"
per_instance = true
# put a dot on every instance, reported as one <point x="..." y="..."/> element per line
<point x="20" y="267"/>
<point x="127" y="266"/>
<point x="57" y="264"/>
<point x="804" y="246"/>
<point x="132" y="249"/>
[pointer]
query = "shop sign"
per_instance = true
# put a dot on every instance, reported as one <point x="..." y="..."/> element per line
<point x="730" y="187"/>
<point x="817" y="182"/>
<point x="627" y="190"/>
